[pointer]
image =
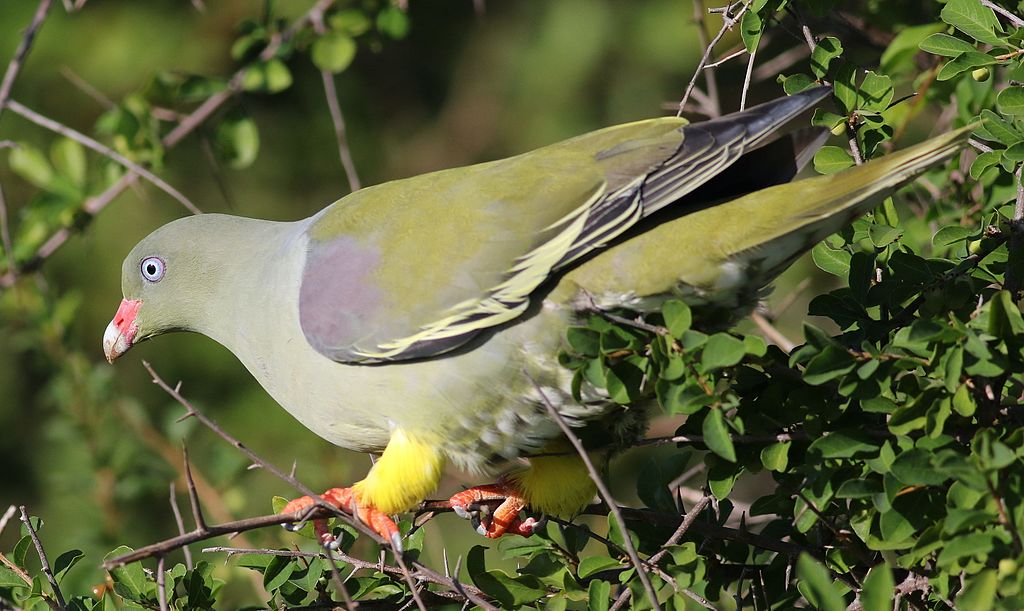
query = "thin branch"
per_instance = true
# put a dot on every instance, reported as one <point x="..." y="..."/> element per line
<point x="413" y="589"/>
<point x="161" y="583"/>
<point x="106" y="151"/>
<point x="5" y="236"/>
<point x="42" y="558"/>
<point x="181" y="525"/>
<point x="713" y="105"/>
<point x="334" y="107"/>
<point x="605" y="495"/>
<point x="339" y="583"/>
<point x="193" y="496"/>
<point x="728" y="21"/>
<point x="7" y="517"/>
<point x="746" y="79"/>
<point x="1012" y="18"/>
<point x="82" y="85"/>
<point x="14" y="67"/>
<point x="772" y="333"/>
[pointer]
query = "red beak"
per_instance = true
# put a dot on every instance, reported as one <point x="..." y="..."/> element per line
<point x="120" y="333"/>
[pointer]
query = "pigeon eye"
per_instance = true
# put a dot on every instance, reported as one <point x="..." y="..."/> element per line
<point x="153" y="269"/>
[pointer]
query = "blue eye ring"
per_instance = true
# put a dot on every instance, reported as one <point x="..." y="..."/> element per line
<point x="152" y="269"/>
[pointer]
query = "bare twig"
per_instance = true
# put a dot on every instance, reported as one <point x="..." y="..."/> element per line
<point x="684" y="526"/>
<point x="605" y="495"/>
<point x="772" y="333"/>
<point x="1011" y="17"/>
<point x="339" y="583"/>
<point x="331" y="93"/>
<point x="14" y="67"/>
<point x="5" y="236"/>
<point x="746" y="79"/>
<point x="84" y="86"/>
<point x="180" y="524"/>
<point x="728" y="21"/>
<point x="47" y="571"/>
<point x="106" y="151"/>
<point x="161" y="583"/>
<point x="713" y="105"/>
<point x="193" y="496"/>
<point x="7" y="517"/>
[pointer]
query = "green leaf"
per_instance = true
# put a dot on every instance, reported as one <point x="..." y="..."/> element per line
<point x="951" y="234"/>
<point x="271" y="76"/>
<point x="65" y="561"/>
<point x="979" y="594"/>
<point x="844" y="444"/>
<point x="279" y="570"/>
<point x="129" y="580"/>
<point x="876" y="91"/>
<point x="914" y="468"/>
<point x="333" y="52"/>
<point x="946" y="45"/>
<point x="29" y="163"/>
<point x="831" y="260"/>
<point x="878" y="589"/>
<point x="824" y="52"/>
<point x="598" y="595"/>
<point x="1011" y="100"/>
<point x="796" y="83"/>
<point x="751" y="28"/>
<point x="584" y="341"/>
<point x="716" y="435"/>
<point x="1000" y="129"/>
<point x="595" y="564"/>
<point x="964" y="62"/>
<point x="817" y="585"/>
<point x="10" y="579"/>
<point x="677" y="317"/>
<point x="831" y="363"/>
<point x="883" y="235"/>
<point x="721" y="350"/>
<point x="972" y="18"/>
<point x="831" y="159"/>
<point x="69" y="159"/>
<point x="393" y="22"/>
<point x="776" y="456"/>
<point x="353" y="22"/>
<point x="238" y="140"/>
<point x="985" y="161"/>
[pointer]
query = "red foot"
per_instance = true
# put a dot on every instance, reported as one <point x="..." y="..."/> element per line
<point x="502" y="501"/>
<point x="345" y="499"/>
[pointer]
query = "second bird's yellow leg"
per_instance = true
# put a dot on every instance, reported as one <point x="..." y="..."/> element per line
<point x="408" y="470"/>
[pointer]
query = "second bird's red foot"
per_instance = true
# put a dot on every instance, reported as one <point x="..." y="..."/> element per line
<point x="346" y="500"/>
<point x="494" y="509"/>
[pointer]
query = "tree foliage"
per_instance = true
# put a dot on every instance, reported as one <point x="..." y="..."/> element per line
<point x="889" y="444"/>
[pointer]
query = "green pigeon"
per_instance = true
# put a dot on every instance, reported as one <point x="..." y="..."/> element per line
<point x="423" y="318"/>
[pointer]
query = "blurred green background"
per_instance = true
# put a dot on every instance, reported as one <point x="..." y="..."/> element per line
<point x="92" y="448"/>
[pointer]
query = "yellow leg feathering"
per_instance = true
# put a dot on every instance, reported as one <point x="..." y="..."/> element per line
<point x="405" y="474"/>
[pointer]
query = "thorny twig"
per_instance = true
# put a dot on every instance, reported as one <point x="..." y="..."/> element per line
<point x="605" y="495"/>
<point x="47" y="571"/>
<point x="180" y="524"/>
<point x="14" y="67"/>
<point x="728" y="21"/>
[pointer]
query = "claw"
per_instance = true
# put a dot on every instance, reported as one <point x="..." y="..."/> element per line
<point x="346" y="500"/>
<point x="493" y="510"/>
